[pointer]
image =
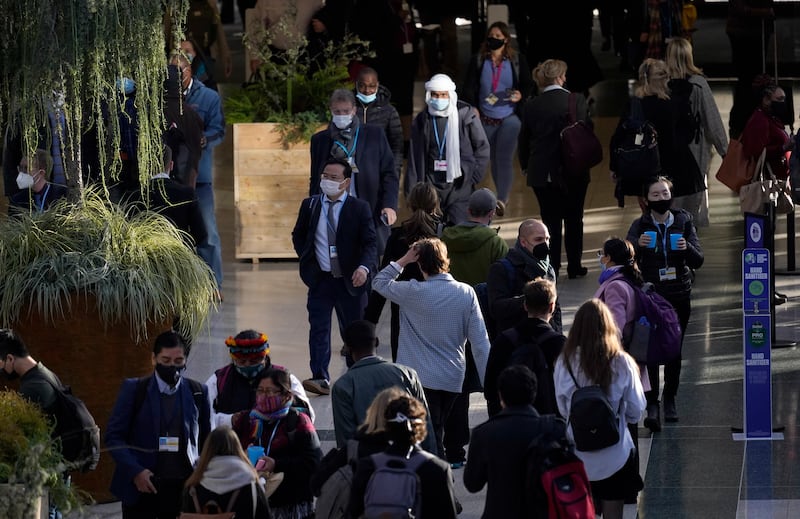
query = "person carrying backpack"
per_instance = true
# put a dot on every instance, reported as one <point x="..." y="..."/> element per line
<point x="403" y="480"/>
<point x="503" y="465"/>
<point x="593" y="363"/>
<point x="532" y="343"/>
<point x="224" y="480"/>
<point x="668" y="251"/>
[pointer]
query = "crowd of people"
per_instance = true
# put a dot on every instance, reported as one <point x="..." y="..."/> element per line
<point x="245" y="439"/>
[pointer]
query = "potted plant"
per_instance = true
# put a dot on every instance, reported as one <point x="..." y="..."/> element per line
<point x="89" y="284"/>
<point x="274" y="116"/>
<point x="31" y="465"/>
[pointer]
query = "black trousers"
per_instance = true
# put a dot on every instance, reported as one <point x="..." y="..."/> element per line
<point x="440" y="403"/>
<point x="563" y="207"/>
<point x="166" y="504"/>
<point x="672" y="369"/>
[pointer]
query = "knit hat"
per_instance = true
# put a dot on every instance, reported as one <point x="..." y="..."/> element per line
<point x="248" y="344"/>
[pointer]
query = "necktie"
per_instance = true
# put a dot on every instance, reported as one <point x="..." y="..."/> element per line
<point x="336" y="270"/>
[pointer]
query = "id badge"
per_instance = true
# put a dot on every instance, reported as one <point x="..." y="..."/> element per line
<point x="667" y="274"/>
<point x="638" y="139"/>
<point x="408" y="48"/>
<point x="440" y="165"/>
<point x="332" y="251"/>
<point x="491" y="99"/>
<point x="168" y="444"/>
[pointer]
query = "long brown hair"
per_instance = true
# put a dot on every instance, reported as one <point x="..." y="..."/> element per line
<point x="508" y="50"/>
<point x="222" y="441"/>
<point x="597" y="336"/>
<point x="423" y="200"/>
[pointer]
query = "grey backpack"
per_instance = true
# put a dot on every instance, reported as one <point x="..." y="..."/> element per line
<point x="334" y="497"/>
<point x="394" y="489"/>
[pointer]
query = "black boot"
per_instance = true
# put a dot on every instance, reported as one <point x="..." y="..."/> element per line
<point x="670" y="411"/>
<point x="653" y="420"/>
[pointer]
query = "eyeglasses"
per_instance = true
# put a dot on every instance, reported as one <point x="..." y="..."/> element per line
<point x="268" y="392"/>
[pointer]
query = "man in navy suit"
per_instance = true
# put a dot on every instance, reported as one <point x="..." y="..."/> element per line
<point x="365" y="148"/>
<point x="155" y="432"/>
<point x="334" y="237"/>
<point x="33" y="179"/>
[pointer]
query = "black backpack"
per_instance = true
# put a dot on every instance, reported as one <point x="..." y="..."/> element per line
<point x="482" y="291"/>
<point x="202" y="23"/>
<point x="594" y="421"/>
<point x="76" y="429"/>
<point x="634" y="151"/>
<point x="687" y="124"/>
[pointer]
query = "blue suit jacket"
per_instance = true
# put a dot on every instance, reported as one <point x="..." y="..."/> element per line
<point x="355" y="240"/>
<point x="141" y="432"/>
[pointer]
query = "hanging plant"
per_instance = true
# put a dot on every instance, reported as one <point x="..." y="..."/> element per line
<point x="64" y="59"/>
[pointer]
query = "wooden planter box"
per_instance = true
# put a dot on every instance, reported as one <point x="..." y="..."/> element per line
<point x="269" y="183"/>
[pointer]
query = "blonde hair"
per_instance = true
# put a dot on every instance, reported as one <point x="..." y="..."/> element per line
<point x="546" y="73"/>
<point x="375" y="421"/>
<point x="222" y="441"/>
<point x="653" y="79"/>
<point x="680" y="62"/>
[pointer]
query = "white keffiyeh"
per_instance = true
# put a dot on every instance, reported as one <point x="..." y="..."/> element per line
<point x="443" y="83"/>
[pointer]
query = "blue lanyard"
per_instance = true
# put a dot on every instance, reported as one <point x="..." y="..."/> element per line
<point x="40" y="205"/>
<point x="272" y="437"/>
<point x="439" y="143"/>
<point x="349" y="154"/>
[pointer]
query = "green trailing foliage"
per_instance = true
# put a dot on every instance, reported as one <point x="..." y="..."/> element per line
<point x="293" y="87"/>
<point x="65" y="57"/>
<point x="135" y="264"/>
<point x="30" y="459"/>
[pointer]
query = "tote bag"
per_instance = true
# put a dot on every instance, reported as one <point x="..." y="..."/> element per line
<point x="736" y="169"/>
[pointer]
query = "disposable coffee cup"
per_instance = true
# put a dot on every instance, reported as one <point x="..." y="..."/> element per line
<point x="673" y="241"/>
<point x="653" y="237"/>
<point x="254" y="452"/>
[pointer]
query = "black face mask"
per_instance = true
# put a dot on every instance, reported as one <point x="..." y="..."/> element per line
<point x="659" y="206"/>
<point x="778" y="108"/>
<point x="541" y="251"/>
<point x="170" y="374"/>
<point x="494" y="43"/>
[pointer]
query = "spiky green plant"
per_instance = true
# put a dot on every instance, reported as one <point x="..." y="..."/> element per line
<point x="30" y="459"/>
<point x="135" y="264"/>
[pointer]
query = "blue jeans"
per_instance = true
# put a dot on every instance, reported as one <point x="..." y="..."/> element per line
<point x="326" y="295"/>
<point x="503" y="144"/>
<point x="209" y="249"/>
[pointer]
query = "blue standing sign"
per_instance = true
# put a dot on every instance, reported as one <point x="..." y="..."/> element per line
<point x="757" y="343"/>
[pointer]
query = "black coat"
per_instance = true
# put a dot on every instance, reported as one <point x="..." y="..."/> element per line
<point x="179" y="204"/>
<point x="382" y="114"/>
<point x="651" y="260"/>
<point x="23" y="201"/>
<point x="543" y="119"/>
<point x="497" y="457"/>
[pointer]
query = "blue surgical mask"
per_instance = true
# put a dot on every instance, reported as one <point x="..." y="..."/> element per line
<point x="439" y="104"/>
<point x="603" y="266"/>
<point x="366" y="99"/>
<point x="126" y="85"/>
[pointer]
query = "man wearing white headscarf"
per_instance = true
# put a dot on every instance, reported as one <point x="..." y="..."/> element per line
<point x="448" y="148"/>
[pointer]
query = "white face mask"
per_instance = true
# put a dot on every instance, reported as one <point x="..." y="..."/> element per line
<point x="342" y="121"/>
<point x="25" y="180"/>
<point x="330" y="187"/>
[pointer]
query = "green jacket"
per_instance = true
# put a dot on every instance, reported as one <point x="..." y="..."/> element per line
<point x="472" y="248"/>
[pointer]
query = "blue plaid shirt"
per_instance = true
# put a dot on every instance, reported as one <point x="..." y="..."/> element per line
<point x="437" y="317"/>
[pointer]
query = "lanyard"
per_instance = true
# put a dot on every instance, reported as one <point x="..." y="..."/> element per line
<point x="349" y="154"/>
<point x="439" y="143"/>
<point x="496" y="72"/>
<point x="40" y="205"/>
<point x="272" y="436"/>
<point x="664" y="237"/>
